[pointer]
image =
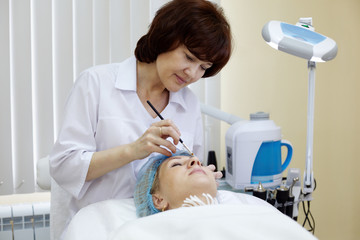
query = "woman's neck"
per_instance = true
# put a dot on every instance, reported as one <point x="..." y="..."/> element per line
<point x="150" y="87"/>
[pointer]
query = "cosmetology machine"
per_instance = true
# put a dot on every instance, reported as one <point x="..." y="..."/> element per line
<point x="253" y="150"/>
<point x="254" y="146"/>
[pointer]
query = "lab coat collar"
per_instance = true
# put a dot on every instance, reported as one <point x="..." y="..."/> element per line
<point x="178" y="97"/>
<point x="126" y="77"/>
<point x="126" y="80"/>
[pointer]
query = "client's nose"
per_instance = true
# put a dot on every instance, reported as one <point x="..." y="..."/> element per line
<point x="194" y="161"/>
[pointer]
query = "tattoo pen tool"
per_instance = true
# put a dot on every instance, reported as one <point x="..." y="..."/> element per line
<point x="159" y="115"/>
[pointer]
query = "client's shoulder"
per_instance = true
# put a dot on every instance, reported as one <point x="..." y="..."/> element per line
<point x="229" y="197"/>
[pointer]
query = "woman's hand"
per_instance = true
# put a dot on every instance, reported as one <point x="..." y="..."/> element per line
<point x="151" y="141"/>
<point x="217" y="175"/>
<point x="155" y="139"/>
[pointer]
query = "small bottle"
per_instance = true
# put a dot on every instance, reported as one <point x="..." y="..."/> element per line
<point x="282" y="195"/>
<point x="212" y="159"/>
<point x="260" y="192"/>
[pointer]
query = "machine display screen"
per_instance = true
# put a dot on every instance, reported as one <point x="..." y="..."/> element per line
<point x="229" y="160"/>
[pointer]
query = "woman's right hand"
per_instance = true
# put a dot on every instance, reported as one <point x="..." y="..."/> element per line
<point x="155" y="139"/>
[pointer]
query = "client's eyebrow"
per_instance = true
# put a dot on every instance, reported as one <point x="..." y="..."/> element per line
<point x="178" y="157"/>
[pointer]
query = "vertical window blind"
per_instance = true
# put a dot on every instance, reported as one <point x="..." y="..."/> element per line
<point x="44" y="45"/>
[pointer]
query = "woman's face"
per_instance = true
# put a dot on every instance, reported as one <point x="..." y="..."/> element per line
<point x="182" y="176"/>
<point x="179" y="68"/>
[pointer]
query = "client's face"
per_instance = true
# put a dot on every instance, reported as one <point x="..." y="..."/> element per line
<point x="182" y="176"/>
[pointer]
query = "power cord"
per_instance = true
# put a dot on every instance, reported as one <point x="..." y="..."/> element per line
<point x="309" y="218"/>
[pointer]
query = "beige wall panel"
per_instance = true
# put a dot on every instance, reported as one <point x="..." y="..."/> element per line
<point x="261" y="78"/>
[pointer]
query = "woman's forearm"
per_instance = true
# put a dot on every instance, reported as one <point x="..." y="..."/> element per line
<point x="108" y="160"/>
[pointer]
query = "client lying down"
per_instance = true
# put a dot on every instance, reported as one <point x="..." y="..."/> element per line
<point x="180" y="181"/>
<point x="175" y="183"/>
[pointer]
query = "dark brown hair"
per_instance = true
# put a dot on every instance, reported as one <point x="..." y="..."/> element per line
<point x="198" y="24"/>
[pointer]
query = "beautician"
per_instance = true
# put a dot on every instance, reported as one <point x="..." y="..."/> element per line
<point x="109" y="131"/>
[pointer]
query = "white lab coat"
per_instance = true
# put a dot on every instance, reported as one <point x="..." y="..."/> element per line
<point x="104" y="111"/>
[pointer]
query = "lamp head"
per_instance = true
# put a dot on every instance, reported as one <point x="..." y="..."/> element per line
<point x="299" y="40"/>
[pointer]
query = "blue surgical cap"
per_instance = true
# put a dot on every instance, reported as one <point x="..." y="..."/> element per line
<point x="142" y="197"/>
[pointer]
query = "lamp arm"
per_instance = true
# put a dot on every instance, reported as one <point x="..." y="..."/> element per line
<point x="309" y="175"/>
<point x="218" y="114"/>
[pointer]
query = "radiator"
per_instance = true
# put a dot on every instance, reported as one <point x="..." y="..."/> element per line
<point x="25" y="221"/>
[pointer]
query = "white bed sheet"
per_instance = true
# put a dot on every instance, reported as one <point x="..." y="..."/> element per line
<point x="98" y="220"/>
<point x="214" y="222"/>
<point x="116" y="219"/>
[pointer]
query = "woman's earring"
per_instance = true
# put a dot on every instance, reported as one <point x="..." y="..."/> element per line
<point x="164" y="207"/>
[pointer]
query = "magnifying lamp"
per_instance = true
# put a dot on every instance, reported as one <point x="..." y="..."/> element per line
<point x="300" y="40"/>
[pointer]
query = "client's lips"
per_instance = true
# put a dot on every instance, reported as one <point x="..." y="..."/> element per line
<point x="197" y="170"/>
